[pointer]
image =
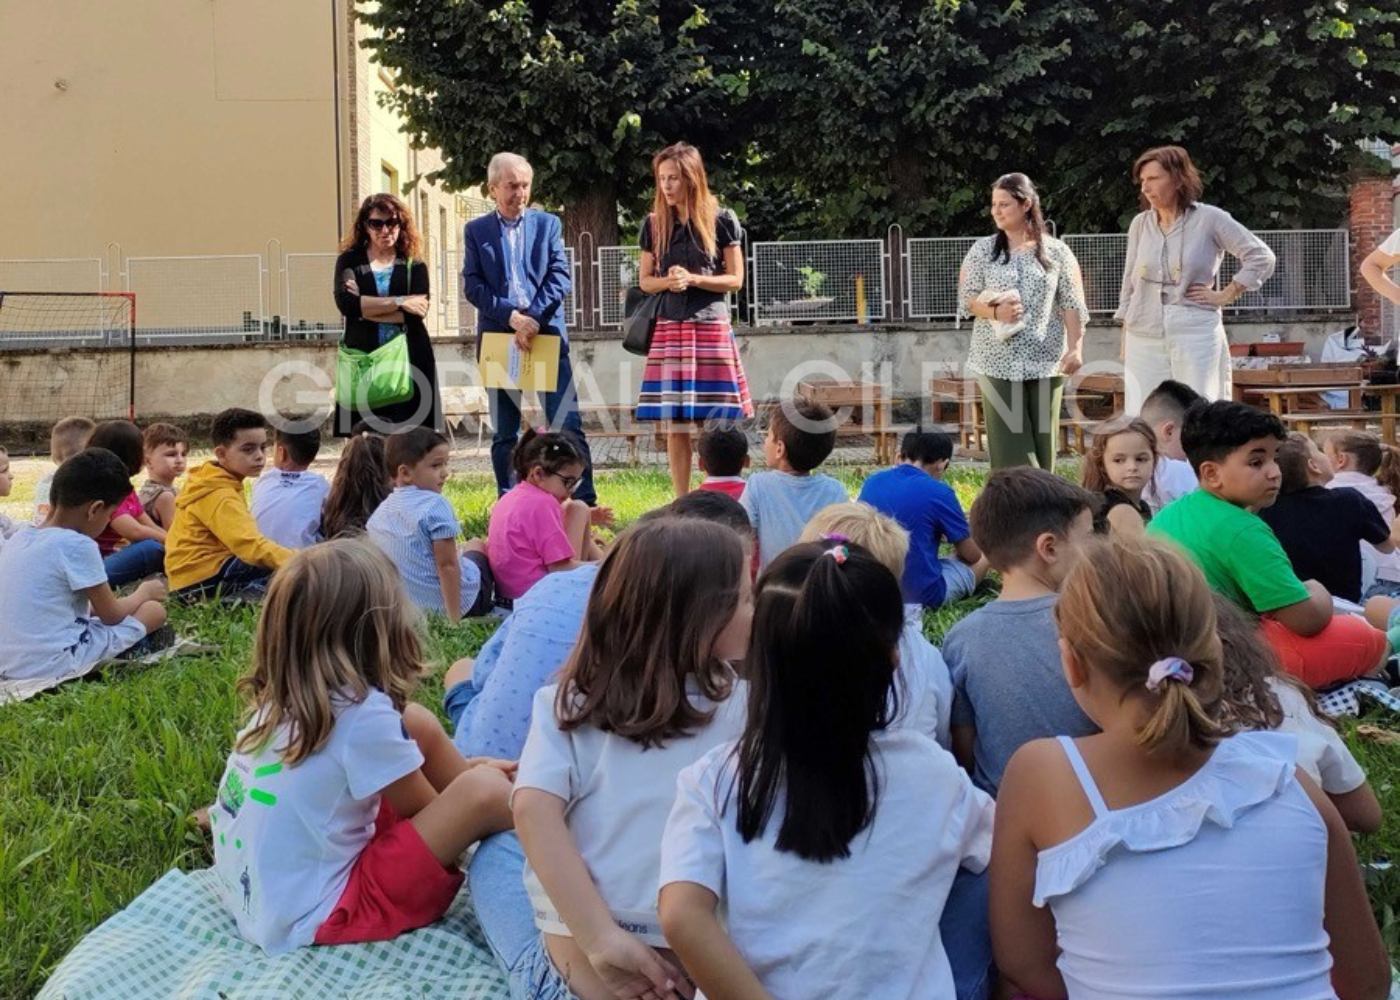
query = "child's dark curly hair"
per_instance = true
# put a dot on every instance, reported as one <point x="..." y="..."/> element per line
<point x="550" y="452"/>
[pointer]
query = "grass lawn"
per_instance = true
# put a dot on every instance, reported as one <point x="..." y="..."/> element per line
<point x="97" y="780"/>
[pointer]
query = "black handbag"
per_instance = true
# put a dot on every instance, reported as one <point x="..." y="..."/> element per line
<point x="639" y="313"/>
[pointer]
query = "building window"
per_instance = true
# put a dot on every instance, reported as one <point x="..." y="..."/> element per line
<point x="388" y="179"/>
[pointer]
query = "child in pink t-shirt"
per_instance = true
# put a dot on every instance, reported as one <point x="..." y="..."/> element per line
<point x="536" y="528"/>
<point x="143" y="553"/>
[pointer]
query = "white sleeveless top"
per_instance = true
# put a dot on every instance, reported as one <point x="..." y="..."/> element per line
<point x="1213" y="889"/>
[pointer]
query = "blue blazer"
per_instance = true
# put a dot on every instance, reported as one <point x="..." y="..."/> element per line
<point x="546" y="272"/>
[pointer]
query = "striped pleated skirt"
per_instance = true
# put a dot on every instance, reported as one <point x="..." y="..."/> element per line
<point x="693" y="372"/>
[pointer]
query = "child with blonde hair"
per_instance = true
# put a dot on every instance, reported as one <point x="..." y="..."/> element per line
<point x="925" y="686"/>
<point x="831" y="837"/>
<point x="1363" y="462"/>
<point x="68" y="437"/>
<point x="1119" y="468"/>
<point x="344" y="808"/>
<point x="648" y="690"/>
<point x="1159" y="857"/>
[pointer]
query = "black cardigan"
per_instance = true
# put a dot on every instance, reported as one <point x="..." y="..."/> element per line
<point x="363" y="335"/>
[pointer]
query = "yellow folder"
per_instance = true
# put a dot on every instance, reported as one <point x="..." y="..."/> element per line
<point x="503" y="365"/>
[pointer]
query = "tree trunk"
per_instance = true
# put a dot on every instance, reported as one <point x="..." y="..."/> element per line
<point x="590" y="222"/>
<point x="909" y="185"/>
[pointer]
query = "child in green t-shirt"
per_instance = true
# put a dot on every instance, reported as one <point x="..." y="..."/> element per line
<point x="1232" y="447"/>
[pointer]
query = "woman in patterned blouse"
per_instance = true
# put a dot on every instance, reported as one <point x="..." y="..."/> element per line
<point x="1025" y="290"/>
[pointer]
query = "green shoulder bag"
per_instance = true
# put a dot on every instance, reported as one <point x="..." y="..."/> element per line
<point x="370" y="379"/>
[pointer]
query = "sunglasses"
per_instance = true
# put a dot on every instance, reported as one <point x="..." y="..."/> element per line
<point x="378" y="224"/>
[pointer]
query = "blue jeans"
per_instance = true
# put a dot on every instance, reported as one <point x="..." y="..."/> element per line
<point x="234" y="579"/>
<point x="496" y="877"/>
<point x="508" y="921"/>
<point x="135" y="562"/>
<point x="561" y="412"/>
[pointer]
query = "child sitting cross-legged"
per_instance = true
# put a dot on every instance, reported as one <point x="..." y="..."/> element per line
<point x="648" y="690"/>
<point x="344" y="808"/>
<point x="1005" y="656"/>
<point x="782" y="499"/>
<point x="165" y="449"/>
<point x="914" y="494"/>
<point x="1321" y="529"/>
<point x="1164" y="410"/>
<point x="1160" y="857"/>
<point x="536" y="528"/>
<point x="1363" y="462"/>
<point x="925" y="686"/>
<point x="1233" y="449"/>
<point x="417" y="529"/>
<point x="1257" y="695"/>
<point x="287" y="502"/>
<point x="722" y="452"/>
<point x="132" y="546"/>
<point x="1118" y="468"/>
<point x="58" y="615"/>
<point x="214" y="546"/>
<point x="361" y="483"/>
<point x="830" y="837"/>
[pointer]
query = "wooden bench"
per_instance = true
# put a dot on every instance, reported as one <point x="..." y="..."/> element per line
<point x="1304" y="422"/>
<point x="868" y="407"/>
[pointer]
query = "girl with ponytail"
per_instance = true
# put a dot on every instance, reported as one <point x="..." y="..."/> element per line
<point x="1365" y="463"/>
<point x="1163" y="857"/>
<point x="831" y="837"/>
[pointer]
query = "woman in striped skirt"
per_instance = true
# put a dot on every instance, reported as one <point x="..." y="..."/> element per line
<point x="691" y="255"/>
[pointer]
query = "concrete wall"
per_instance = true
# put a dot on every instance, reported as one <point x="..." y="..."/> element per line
<point x="294" y="377"/>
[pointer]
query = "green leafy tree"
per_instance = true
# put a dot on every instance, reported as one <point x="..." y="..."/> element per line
<point x="1271" y="98"/>
<point x="587" y="90"/>
<point x="881" y="111"/>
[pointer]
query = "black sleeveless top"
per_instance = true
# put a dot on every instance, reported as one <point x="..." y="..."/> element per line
<point x="1114" y="497"/>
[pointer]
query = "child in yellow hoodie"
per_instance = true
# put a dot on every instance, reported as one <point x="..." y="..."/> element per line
<point x="214" y="545"/>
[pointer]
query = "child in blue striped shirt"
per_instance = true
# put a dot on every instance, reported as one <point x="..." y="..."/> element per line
<point x="417" y="528"/>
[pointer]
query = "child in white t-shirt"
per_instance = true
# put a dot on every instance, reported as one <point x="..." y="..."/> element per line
<point x="58" y="615"/>
<point x="648" y="691"/>
<point x="287" y="502"/>
<point x="1257" y="695"/>
<point x="344" y="808"/>
<point x="831" y="838"/>
<point x="1164" y="410"/>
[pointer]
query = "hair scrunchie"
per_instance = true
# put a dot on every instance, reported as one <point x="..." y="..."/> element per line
<point x="1171" y="668"/>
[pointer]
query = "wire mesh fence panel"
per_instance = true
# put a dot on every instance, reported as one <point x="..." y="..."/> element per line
<point x="617" y="272"/>
<point x="309" y="312"/>
<point x="931" y="275"/>
<point x="573" y="315"/>
<point x="76" y="274"/>
<point x="199" y="299"/>
<point x="819" y="280"/>
<point x="1313" y="271"/>
<point x="43" y="387"/>
<point x="1101" y="257"/>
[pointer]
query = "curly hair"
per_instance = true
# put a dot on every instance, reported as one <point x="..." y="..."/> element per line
<point x="410" y="244"/>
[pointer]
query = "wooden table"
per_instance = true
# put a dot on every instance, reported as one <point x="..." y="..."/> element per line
<point x="1102" y="383"/>
<point x="868" y="405"/>
<point x="1281" y="398"/>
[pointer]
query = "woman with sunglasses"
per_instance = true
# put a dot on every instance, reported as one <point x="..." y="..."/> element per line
<point x="381" y="288"/>
<point x="1169" y="305"/>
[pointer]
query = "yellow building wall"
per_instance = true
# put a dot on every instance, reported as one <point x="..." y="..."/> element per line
<point x="168" y="126"/>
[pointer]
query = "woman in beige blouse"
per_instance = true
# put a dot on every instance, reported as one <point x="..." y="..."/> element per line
<point x="1169" y="306"/>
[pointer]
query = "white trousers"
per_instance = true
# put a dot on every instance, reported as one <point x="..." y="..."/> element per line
<point x="1194" y="351"/>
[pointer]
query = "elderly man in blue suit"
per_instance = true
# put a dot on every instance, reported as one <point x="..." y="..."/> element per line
<point x="516" y="274"/>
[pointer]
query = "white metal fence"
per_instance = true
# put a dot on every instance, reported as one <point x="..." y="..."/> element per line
<point x="931" y="276"/>
<point x="234" y="298"/>
<point x="819" y="280"/>
<point x="199" y="299"/>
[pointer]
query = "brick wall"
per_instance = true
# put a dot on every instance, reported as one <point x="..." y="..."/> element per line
<point x="1372" y="219"/>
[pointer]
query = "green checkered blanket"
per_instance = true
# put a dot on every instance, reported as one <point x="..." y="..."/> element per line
<point x="176" y="941"/>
